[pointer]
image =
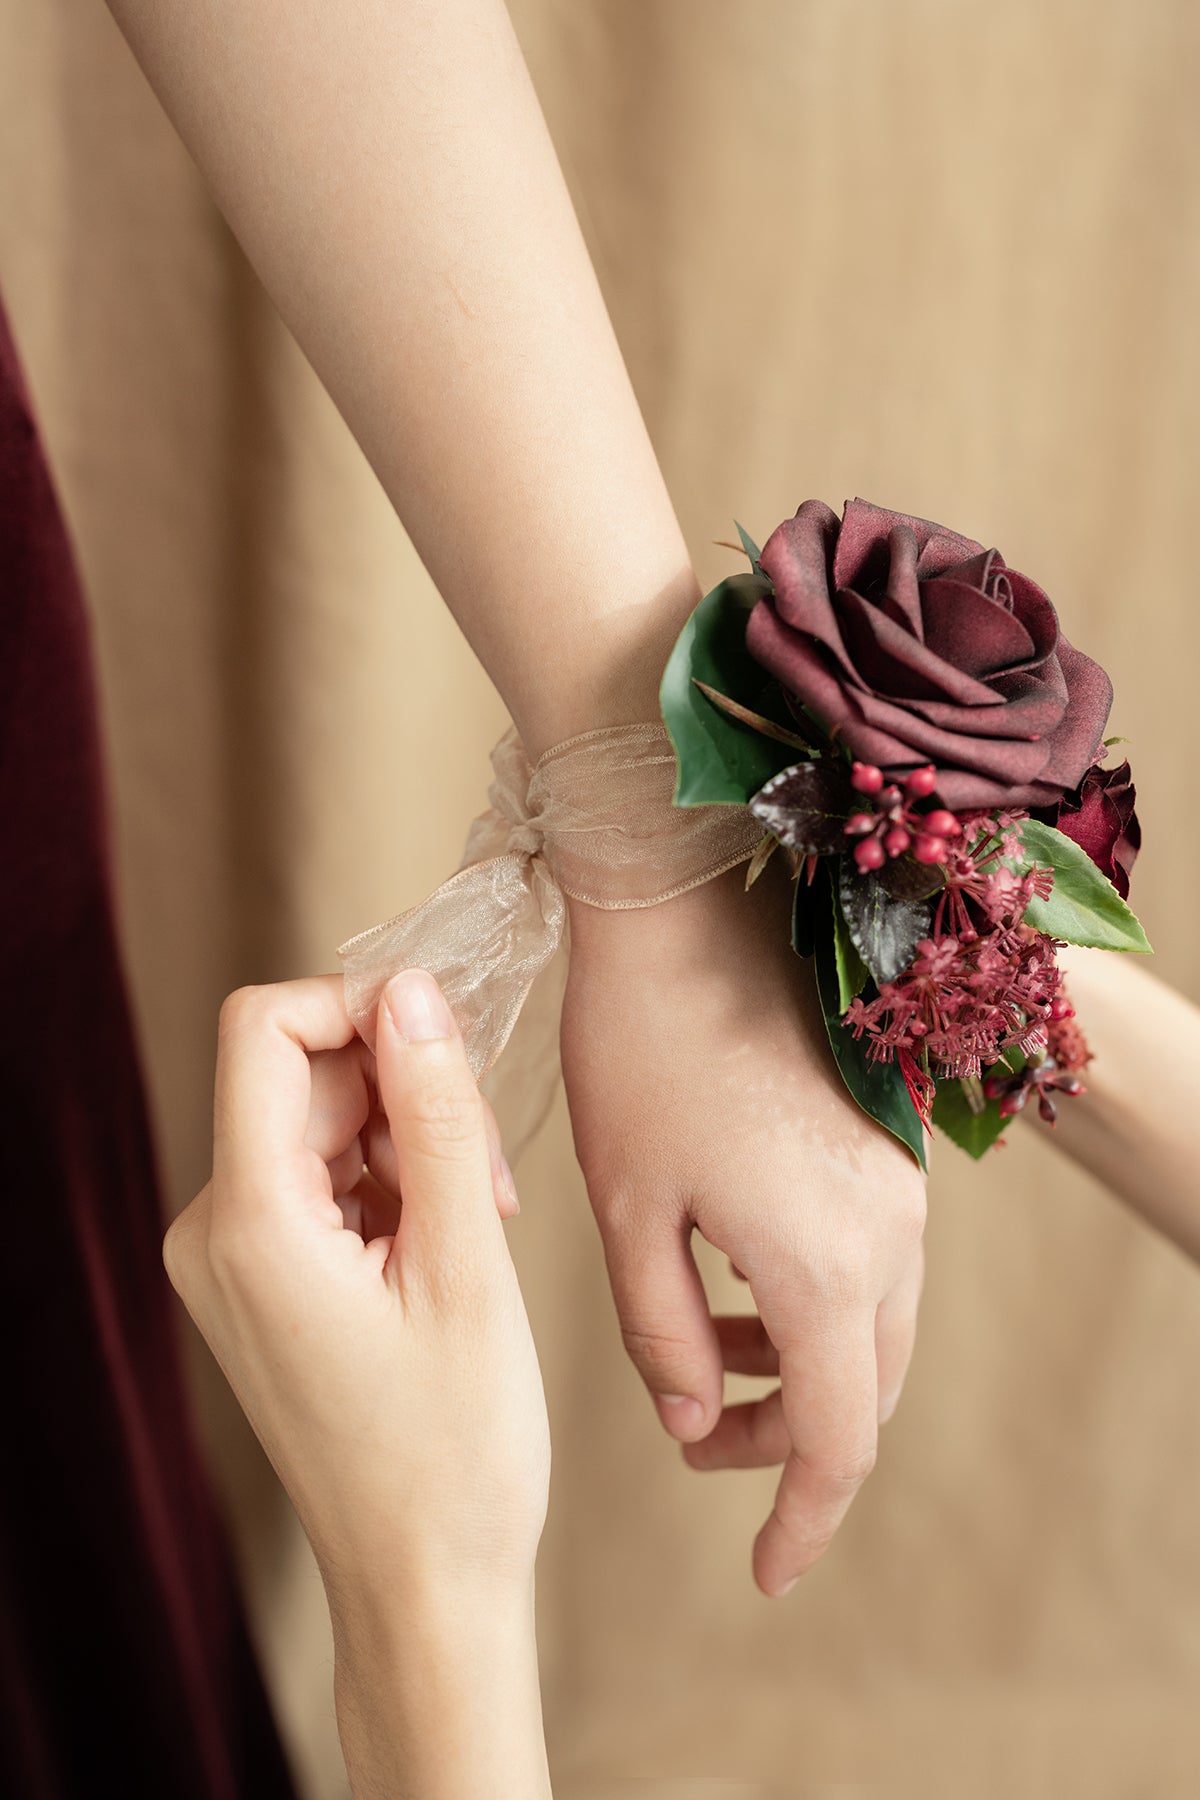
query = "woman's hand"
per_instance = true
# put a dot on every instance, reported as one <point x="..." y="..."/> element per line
<point x="370" y="1322"/>
<point x="703" y="1094"/>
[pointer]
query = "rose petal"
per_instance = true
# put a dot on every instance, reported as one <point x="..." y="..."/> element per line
<point x="796" y="559"/>
<point x="974" y="634"/>
<point x="860" y="556"/>
<point x="1075" y="741"/>
<point x="1017" y="760"/>
<point x="963" y="790"/>
<point x="1031" y="706"/>
<point x="978" y="571"/>
<point x="902" y="601"/>
<point x="876" y="730"/>
<point x="1035" y="609"/>
<point x="1095" y="827"/>
<point x="1101" y="817"/>
<point x="890" y="659"/>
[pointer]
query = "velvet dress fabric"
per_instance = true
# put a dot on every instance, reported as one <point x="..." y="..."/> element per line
<point x="124" y="1660"/>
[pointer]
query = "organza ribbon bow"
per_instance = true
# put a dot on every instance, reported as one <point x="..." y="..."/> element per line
<point x="593" y="819"/>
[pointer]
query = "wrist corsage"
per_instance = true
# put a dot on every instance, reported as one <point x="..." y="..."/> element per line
<point x="902" y="715"/>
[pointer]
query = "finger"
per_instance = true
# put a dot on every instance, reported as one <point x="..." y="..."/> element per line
<point x="896" y="1333"/>
<point x="666" y="1325"/>
<point x="735" y="1271"/>
<point x="369" y="1209"/>
<point x="437" y="1126"/>
<point x="346" y="1171"/>
<point x="264" y="1086"/>
<point x="830" y="1406"/>
<point x="380" y="1157"/>
<point x="753" y="1435"/>
<point x="746" y="1348"/>
<point x="340" y="1099"/>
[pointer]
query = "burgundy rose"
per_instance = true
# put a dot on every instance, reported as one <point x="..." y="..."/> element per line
<point x="921" y="646"/>
<point x="1101" y="817"/>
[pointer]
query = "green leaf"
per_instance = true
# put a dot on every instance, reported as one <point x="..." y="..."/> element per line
<point x="1084" y="907"/>
<point x="974" y="1132"/>
<point x="756" y="721"/>
<point x="750" y="547"/>
<point x="885" y="931"/>
<point x="852" y="972"/>
<point x="721" y="760"/>
<point x="877" y="1087"/>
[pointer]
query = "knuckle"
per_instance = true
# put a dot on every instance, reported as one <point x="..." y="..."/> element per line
<point x="655" y="1352"/>
<point x="175" y="1253"/>
<point x="845" y="1470"/>
<point x="239" y="1008"/>
<point x="447" y="1115"/>
<point x="186" y="1250"/>
<point x="620" y="1211"/>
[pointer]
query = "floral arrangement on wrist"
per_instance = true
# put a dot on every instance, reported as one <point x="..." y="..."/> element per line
<point x="901" y="712"/>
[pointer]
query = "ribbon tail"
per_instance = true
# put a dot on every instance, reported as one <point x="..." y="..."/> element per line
<point x="523" y="1084"/>
<point x="484" y="936"/>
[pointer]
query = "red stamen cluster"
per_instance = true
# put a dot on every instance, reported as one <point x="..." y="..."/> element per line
<point x="979" y="891"/>
<point x="981" y="983"/>
<point x="894" y="827"/>
<point x="961" y="1005"/>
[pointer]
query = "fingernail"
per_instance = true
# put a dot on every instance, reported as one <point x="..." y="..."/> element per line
<point x="787" y="1587"/>
<point x="418" y="1009"/>
<point x="506" y="1176"/>
<point x="685" y="1414"/>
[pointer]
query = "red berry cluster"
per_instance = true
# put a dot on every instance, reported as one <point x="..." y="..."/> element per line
<point x="894" y="827"/>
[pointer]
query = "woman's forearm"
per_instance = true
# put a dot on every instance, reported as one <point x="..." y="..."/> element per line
<point x="1138" y="1126"/>
<point x="438" y="1699"/>
<point x="386" y="167"/>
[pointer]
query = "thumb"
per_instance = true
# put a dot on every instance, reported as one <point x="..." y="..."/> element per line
<point x="436" y="1118"/>
<point x="666" y="1326"/>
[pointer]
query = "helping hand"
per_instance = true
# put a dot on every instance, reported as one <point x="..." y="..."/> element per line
<point x="379" y="1348"/>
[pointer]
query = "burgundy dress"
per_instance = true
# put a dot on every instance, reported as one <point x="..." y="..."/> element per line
<point x="125" y="1664"/>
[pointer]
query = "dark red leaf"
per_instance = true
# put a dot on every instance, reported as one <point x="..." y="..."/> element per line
<point x="807" y="806"/>
<point x="885" y="931"/>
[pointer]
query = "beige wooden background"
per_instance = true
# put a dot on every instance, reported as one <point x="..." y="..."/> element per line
<point x="942" y="253"/>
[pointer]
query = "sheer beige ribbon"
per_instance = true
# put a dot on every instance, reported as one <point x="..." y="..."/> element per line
<point x="593" y="820"/>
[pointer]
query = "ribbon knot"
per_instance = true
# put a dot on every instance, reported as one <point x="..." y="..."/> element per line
<point x="593" y="820"/>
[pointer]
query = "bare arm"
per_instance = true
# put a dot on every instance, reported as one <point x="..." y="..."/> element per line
<point x="387" y="169"/>
<point x="1137" y="1129"/>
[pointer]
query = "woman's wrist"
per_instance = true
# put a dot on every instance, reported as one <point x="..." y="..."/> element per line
<point x="1133" y="1126"/>
<point x="611" y="674"/>
<point x="436" y="1685"/>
